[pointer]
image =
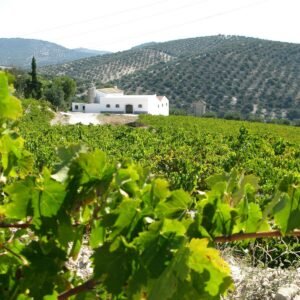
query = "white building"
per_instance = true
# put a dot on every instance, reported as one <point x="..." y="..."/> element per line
<point x="113" y="100"/>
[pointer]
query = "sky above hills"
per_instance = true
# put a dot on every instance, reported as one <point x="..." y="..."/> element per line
<point x="117" y="25"/>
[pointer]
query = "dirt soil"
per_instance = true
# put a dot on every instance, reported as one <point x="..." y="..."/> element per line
<point x="71" y="118"/>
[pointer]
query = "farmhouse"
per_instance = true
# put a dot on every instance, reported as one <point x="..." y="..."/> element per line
<point x="113" y="100"/>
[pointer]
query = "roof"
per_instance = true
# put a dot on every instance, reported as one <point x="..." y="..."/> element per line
<point x="160" y="97"/>
<point x="112" y="90"/>
<point x="199" y="102"/>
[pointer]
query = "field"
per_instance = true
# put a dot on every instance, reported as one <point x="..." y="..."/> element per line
<point x="151" y="200"/>
<point x="185" y="150"/>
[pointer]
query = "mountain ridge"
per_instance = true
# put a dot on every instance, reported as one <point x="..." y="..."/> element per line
<point x="18" y="52"/>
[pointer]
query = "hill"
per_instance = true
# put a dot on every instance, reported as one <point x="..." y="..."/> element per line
<point x="89" y="51"/>
<point x="231" y="73"/>
<point x="18" y="52"/>
<point x="109" y="67"/>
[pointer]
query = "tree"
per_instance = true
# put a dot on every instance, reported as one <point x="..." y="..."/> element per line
<point x="33" y="87"/>
<point x="293" y="113"/>
<point x="55" y="94"/>
<point x="60" y="91"/>
<point x="68" y="86"/>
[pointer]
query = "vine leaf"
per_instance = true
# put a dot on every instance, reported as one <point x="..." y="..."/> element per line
<point x="46" y="260"/>
<point x="160" y="191"/>
<point x="97" y="234"/>
<point x="20" y="193"/>
<point x="287" y="211"/>
<point x="196" y="272"/>
<point x="113" y="266"/>
<point x="52" y="195"/>
<point x="174" y="206"/>
<point x="250" y="218"/>
<point x="127" y="213"/>
<point x="10" y="107"/>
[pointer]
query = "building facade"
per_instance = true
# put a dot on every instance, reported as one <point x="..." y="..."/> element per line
<point x="199" y="108"/>
<point x="113" y="100"/>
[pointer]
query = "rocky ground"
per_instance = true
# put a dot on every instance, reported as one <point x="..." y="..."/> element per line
<point x="257" y="283"/>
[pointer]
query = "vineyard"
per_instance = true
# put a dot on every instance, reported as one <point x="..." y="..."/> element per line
<point x="151" y="200"/>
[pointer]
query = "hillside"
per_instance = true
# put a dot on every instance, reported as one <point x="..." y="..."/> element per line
<point x="246" y="75"/>
<point x="18" y="52"/>
<point x="231" y="73"/>
<point x="109" y="67"/>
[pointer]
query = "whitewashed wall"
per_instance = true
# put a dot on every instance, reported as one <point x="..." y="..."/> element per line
<point x="149" y="104"/>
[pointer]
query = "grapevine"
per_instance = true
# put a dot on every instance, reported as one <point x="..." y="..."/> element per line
<point x="149" y="241"/>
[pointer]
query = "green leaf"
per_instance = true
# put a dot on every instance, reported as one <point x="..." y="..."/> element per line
<point x="201" y="257"/>
<point x="52" y="194"/>
<point x="174" y="206"/>
<point x="66" y="156"/>
<point x="97" y="234"/>
<point x="160" y="191"/>
<point x="173" y="226"/>
<point x="214" y="179"/>
<point x="114" y="267"/>
<point x="195" y="272"/>
<point x="11" y="151"/>
<point x="6" y="263"/>
<point x="287" y="211"/>
<point x="24" y="297"/>
<point x="54" y="296"/>
<point x="127" y="214"/>
<point x="91" y="166"/>
<point x="10" y="107"/>
<point x="20" y="193"/>
<point x="155" y="247"/>
<point x="128" y="180"/>
<point x="248" y="185"/>
<point x="47" y="265"/>
<point x="250" y="218"/>
<point x="65" y="231"/>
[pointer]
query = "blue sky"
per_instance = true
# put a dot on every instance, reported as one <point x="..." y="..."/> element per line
<point x="117" y="25"/>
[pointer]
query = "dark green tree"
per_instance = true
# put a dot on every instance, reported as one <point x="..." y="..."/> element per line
<point x="68" y="86"/>
<point x="55" y="95"/>
<point x="60" y="92"/>
<point x="33" y="88"/>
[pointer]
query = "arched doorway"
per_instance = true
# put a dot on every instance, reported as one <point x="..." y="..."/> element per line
<point x="129" y="109"/>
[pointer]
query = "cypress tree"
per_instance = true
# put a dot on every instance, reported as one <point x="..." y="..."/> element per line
<point x="33" y="87"/>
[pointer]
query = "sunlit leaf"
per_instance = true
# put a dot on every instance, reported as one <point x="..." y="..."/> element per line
<point x="10" y="107"/>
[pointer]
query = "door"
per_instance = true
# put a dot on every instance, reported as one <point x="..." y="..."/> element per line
<point x="129" y="109"/>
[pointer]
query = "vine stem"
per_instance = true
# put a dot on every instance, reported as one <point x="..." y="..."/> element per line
<point x="16" y="225"/>
<point x="88" y="285"/>
<point x="254" y="235"/>
<point x="22" y="259"/>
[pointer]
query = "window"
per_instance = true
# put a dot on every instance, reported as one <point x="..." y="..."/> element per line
<point x="83" y="107"/>
<point x="140" y="106"/>
<point x="76" y="107"/>
<point x="117" y="105"/>
<point x="107" y="105"/>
